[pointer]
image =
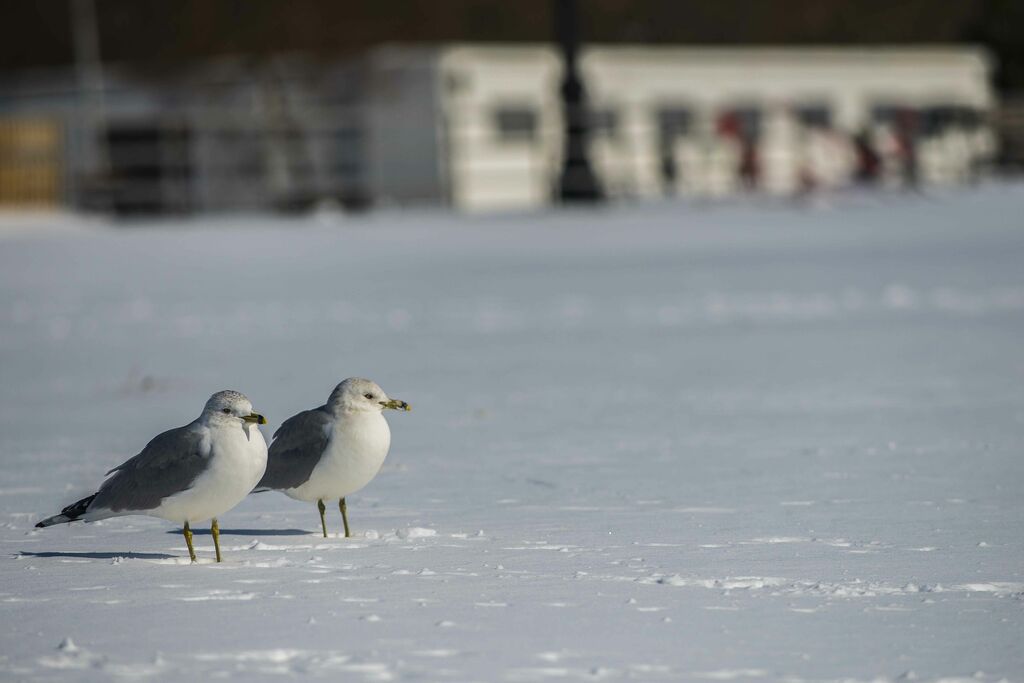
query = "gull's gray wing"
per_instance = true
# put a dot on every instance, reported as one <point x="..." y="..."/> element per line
<point x="298" y="444"/>
<point x="168" y="464"/>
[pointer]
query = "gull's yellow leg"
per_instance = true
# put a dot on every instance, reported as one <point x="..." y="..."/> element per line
<point x="344" y="516"/>
<point x="215" y="532"/>
<point x="323" y="522"/>
<point x="188" y="541"/>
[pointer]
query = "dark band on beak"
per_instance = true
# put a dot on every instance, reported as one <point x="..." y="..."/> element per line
<point x="255" y="417"/>
<point x="395" y="404"/>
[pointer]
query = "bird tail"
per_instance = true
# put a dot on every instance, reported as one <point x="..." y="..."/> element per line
<point x="68" y="514"/>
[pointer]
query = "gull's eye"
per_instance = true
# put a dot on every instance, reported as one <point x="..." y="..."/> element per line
<point x="226" y="411"/>
<point x="367" y="395"/>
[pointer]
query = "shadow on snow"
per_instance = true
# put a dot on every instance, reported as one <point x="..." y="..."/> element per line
<point x="248" y="532"/>
<point x="101" y="555"/>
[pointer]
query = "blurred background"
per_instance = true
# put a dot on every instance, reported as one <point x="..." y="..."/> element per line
<point x="133" y="107"/>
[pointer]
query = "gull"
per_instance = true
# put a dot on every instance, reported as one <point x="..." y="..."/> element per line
<point x="186" y="474"/>
<point x="334" y="450"/>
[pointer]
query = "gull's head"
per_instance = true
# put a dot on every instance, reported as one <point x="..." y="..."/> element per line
<point x="357" y="395"/>
<point x="231" y="406"/>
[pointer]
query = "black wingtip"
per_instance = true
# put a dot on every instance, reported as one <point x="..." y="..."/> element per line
<point x="68" y="514"/>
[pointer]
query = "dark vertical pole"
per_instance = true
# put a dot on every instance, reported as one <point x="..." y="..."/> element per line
<point x="94" y="160"/>
<point x="578" y="182"/>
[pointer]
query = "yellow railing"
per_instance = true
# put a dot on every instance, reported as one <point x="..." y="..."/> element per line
<point x="30" y="162"/>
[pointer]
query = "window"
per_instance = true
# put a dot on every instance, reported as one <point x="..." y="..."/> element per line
<point x="742" y="122"/>
<point x="905" y="121"/>
<point x="892" y="113"/>
<point x="938" y="119"/>
<point x="674" y="122"/>
<point x="516" y="124"/>
<point x="814" y="115"/>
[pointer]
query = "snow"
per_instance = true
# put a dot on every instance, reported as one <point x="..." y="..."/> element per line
<point x="763" y="441"/>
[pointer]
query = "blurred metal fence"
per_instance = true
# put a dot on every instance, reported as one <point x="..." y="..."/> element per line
<point x="211" y="159"/>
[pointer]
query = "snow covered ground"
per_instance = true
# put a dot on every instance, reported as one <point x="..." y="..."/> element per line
<point x="673" y="442"/>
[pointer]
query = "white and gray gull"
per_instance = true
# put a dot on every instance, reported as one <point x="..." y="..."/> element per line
<point x="334" y="450"/>
<point x="185" y="475"/>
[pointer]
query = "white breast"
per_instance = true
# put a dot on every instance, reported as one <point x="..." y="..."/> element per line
<point x="237" y="462"/>
<point x="356" y="448"/>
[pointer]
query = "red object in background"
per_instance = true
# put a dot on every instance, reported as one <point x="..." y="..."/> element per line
<point x="729" y="125"/>
<point x="750" y="164"/>
<point x="869" y="163"/>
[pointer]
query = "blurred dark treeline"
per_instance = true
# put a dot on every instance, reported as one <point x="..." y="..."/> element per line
<point x="166" y="32"/>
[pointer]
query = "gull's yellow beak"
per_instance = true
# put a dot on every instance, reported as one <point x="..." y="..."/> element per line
<point x="255" y="417"/>
<point x="395" y="404"/>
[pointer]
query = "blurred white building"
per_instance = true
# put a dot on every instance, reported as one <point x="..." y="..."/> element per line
<point x="479" y="126"/>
